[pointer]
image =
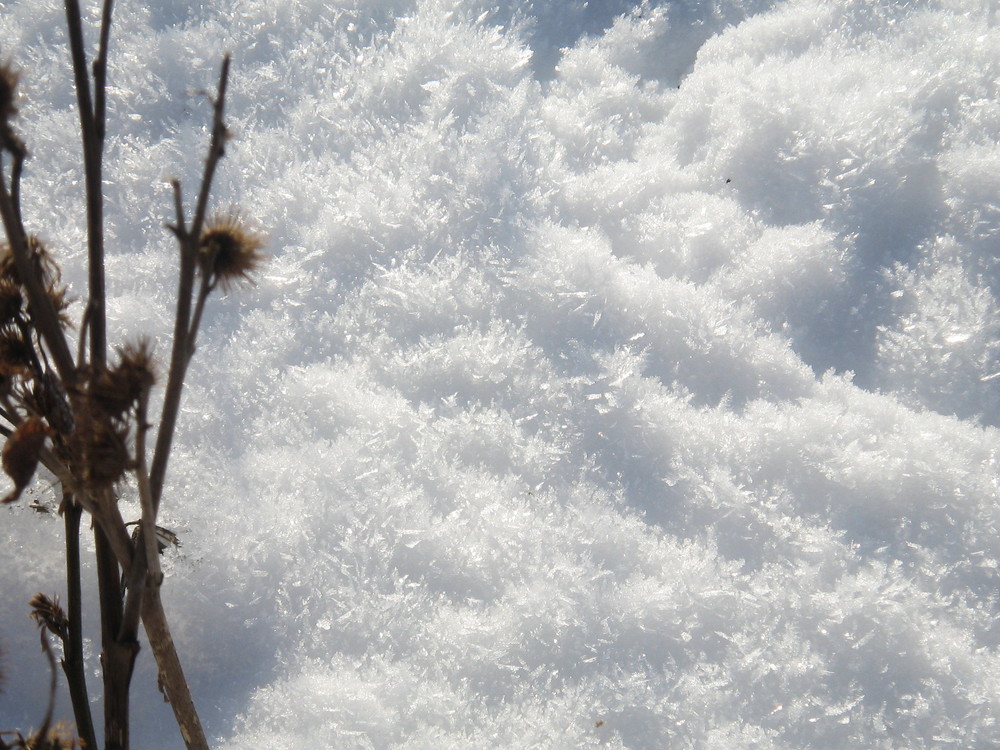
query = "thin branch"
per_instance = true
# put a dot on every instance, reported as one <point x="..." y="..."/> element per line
<point x="81" y="342"/>
<point x="181" y="352"/>
<point x="16" y="169"/>
<point x="217" y="149"/>
<point x="43" y="314"/>
<point x="72" y="663"/>
<point x="47" y="648"/>
<point x="145" y="570"/>
<point x="148" y="529"/>
<point x="92" y="133"/>
<point x="101" y="71"/>
<point x="172" y="679"/>
<point x="205" y="288"/>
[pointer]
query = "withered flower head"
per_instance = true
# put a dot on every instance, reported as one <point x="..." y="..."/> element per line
<point x="99" y="450"/>
<point x="16" y="356"/>
<point x="11" y="301"/>
<point x="46" y="270"/>
<point x="21" y="453"/>
<point x="120" y="387"/>
<point x="47" y="398"/>
<point x="48" y="614"/>
<point x="58" y="737"/>
<point x="109" y="457"/>
<point x="45" y="266"/>
<point x="230" y="249"/>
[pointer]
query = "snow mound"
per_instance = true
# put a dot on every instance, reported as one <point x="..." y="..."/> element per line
<point x="623" y="376"/>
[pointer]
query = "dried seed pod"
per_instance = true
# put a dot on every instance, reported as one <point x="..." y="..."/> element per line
<point x="11" y="301"/>
<point x="16" y="355"/>
<point x="20" y="454"/>
<point x="230" y="249"/>
<point x="46" y="270"/>
<point x="47" y="613"/>
<point x="120" y="387"/>
<point x="48" y="398"/>
<point x="99" y="451"/>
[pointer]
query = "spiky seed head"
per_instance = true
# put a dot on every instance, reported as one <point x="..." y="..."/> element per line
<point x="11" y="301"/>
<point x="120" y="387"/>
<point x="45" y="266"/>
<point x="47" y="398"/>
<point x="16" y="356"/>
<point x="230" y="249"/>
<point x="98" y="451"/>
<point x="48" y="614"/>
<point x="21" y="453"/>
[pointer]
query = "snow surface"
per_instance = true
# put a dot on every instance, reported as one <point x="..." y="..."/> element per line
<point x="624" y="374"/>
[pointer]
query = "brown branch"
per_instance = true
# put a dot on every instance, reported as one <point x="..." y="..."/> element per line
<point x="100" y="70"/>
<point x="72" y="663"/>
<point x="16" y="169"/>
<point x="182" y="350"/>
<point x="172" y="679"/>
<point x="92" y="133"/>
<point x="47" y="648"/>
<point x="43" y="314"/>
<point x="216" y="150"/>
<point x="146" y="559"/>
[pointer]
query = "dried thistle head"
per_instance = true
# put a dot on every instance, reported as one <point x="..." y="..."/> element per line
<point x="99" y="451"/>
<point x="21" y="453"/>
<point x="46" y="270"/>
<point x="117" y="389"/>
<point x="45" y="265"/>
<point x="229" y="249"/>
<point x="16" y="355"/>
<point x="49" y="615"/>
<point x="47" y="398"/>
<point x="59" y="737"/>
<point x="11" y="301"/>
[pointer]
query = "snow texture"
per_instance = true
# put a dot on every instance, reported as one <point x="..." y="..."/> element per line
<point x="624" y="375"/>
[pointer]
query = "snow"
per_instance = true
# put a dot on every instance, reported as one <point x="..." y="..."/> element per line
<point x="623" y="374"/>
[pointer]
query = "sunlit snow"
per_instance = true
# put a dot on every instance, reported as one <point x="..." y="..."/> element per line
<point x="624" y="374"/>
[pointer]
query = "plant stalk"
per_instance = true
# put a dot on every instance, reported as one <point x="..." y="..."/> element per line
<point x="72" y="663"/>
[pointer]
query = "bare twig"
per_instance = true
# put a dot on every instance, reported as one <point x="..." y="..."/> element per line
<point x="146" y="560"/>
<point x="172" y="677"/>
<point x="73" y="664"/>
<point x="181" y="353"/>
<point x="16" y="169"/>
<point x="47" y="648"/>
<point x="216" y="150"/>
<point x="101" y="71"/>
<point x="92" y="131"/>
<point x="44" y="315"/>
<point x="146" y="492"/>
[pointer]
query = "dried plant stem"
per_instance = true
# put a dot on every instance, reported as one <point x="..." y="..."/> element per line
<point x="43" y="314"/>
<point x="63" y="409"/>
<point x="16" y="168"/>
<point x="172" y="679"/>
<point x="146" y="494"/>
<point x="72" y="664"/>
<point x="145" y="571"/>
<point x="47" y="648"/>
<point x="92" y="127"/>
<point x="183" y="349"/>
<point x="116" y="660"/>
